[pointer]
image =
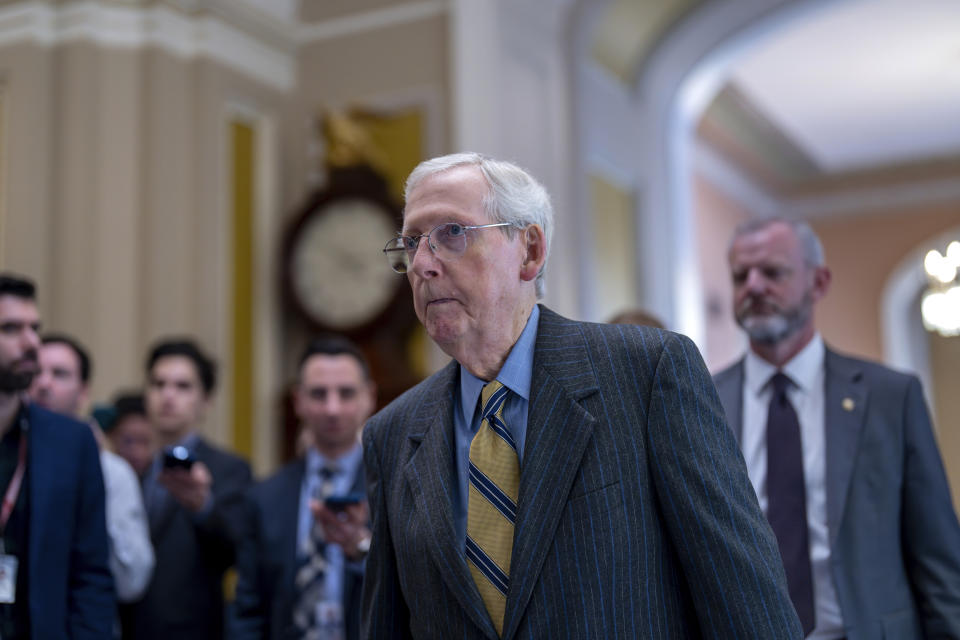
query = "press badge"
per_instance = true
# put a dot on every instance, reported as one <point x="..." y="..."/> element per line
<point x="8" y="579"/>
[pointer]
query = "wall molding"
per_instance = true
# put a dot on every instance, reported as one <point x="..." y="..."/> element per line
<point x="726" y="176"/>
<point x="713" y="166"/>
<point x="370" y="21"/>
<point x="159" y="27"/>
<point x="905" y="344"/>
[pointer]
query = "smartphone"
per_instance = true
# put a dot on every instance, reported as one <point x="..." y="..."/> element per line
<point x="178" y="457"/>
<point x="339" y="503"/>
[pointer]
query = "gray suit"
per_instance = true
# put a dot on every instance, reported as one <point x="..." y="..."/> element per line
<point x="894" y="537"/>
<point x="636" y="518"/>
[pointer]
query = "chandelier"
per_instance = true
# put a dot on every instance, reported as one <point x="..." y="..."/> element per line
<point x="941" y="301"/>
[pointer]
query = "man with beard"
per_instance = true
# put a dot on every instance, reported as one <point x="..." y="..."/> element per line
<point x="841" y="453"/>
<point x="54" y="578"/>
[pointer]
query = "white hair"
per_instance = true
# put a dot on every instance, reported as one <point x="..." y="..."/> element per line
<point x="515" y="196"/>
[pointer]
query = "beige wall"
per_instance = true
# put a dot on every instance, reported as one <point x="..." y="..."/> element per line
<point x="614" y="247"/>
<point x="716" y="215"/>
<point x="945" y="370"/>
<point x="399" y="66"/>
<point x="115" y="194"/>
<point x="862" y="251"/>
<point x="116" y="206"/>
<point x="27" y="74"/>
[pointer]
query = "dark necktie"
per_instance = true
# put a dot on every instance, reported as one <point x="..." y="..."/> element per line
<point x="787" y="499"/>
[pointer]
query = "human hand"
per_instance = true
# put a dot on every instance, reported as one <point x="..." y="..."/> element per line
<point x="190" y="487"/>
<point x="346" y="528"/>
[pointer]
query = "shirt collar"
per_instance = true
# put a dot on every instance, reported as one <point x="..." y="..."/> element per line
<point x="348" y="462"/>
<point x="802" y="369"/>
<point x="515" y="374"/>
<point x="190" y="441"/>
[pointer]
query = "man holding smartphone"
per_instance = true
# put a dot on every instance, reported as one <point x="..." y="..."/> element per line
<point x="300" y="561"/>
<point x="193" y="492"/>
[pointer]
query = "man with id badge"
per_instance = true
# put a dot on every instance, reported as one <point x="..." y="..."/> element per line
<point x="54" y="578"/>
<point x="301" y="559"/>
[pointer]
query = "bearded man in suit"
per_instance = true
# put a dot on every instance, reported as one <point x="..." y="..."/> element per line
<point x="55" y="579"/>
<point x="559" y="478"/>
<point x="841" y="453"/>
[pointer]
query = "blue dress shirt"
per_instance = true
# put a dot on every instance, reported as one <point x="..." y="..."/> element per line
<point x="516" y="375"/>
<point x="347" y="466"/>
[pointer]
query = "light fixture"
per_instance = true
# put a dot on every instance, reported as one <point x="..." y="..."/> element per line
<point x="941" y="301"/>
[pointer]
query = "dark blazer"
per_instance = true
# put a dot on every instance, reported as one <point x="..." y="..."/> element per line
<point x="636" y="518"/>
<point x="71" y="588"/>
<point x="267" y="561"/>
<point x="894" y="537"/>
<point x="185" y="596"/>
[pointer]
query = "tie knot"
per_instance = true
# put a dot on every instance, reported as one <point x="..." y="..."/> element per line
<point x="492" y="398"/>
<point x="328" y="471"/>
<point x="780" y="383"/>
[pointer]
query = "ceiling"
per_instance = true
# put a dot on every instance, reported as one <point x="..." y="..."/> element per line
<point x="854" y="89"/>
<point x="849" y="87"/>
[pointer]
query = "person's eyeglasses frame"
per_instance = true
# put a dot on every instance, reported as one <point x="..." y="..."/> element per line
<point x="409" y="252"/>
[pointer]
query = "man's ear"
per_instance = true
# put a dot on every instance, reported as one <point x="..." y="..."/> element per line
<point x="371" y="399"/>
<point x="821" y="282"/>
<point x="535" y="252"/>
<point x="83" y="397"/>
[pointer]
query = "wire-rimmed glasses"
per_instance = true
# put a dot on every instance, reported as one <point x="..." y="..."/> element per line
<point x="447" y="241"/>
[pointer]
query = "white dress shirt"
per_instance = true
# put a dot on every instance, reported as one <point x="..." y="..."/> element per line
<point x="806" y="371"/>
<point x="131" y="554"/>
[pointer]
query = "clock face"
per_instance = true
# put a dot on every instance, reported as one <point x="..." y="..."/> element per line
<point x="339" y="275"/>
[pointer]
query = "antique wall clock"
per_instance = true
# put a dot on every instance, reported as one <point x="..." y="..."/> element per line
<point x="335" y="275"/>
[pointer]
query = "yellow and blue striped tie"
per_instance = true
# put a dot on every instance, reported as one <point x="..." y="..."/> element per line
<point x="492" y="505"/>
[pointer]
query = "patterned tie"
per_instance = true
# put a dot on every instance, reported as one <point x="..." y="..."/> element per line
<point x="312" y="567"/>
<point x="787" y="499"/>
<point x="492" y="505"/>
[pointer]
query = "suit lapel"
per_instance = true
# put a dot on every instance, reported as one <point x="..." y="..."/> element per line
<point x="730" y="389"/>
<point x="846" y="404"/>
<point x="558" y="430"/>
<point x="359" y="482"/>
<point x="39" y="487"/>
<point x="432" y="478"/>
<point x="288" y="511"/>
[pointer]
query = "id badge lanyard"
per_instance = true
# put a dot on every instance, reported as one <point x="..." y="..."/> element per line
<point x="13" y="489"/>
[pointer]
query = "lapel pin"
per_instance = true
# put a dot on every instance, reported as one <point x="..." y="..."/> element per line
<point x="848" y="404"/>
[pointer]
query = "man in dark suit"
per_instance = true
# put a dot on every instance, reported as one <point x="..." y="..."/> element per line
<point x="195" y="509"/>
<point x="54" y="578"/>
<point x="869" y="537"/>
<point x="559" y="478"/>
<point x="275" y="597"/>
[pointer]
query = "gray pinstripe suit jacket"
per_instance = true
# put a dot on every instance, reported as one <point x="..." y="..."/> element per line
<point x="636" y="518"/>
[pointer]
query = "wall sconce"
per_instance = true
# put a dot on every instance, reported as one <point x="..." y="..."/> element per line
<point x="941" y="301"/>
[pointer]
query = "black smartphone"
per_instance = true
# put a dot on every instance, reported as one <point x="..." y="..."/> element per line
<point x="339" y="503"/>
<point x="178" y="458"/>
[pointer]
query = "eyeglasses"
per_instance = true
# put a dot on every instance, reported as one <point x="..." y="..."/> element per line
<point x="447" y="241"/>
